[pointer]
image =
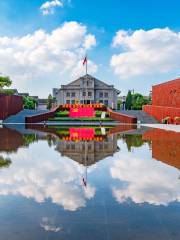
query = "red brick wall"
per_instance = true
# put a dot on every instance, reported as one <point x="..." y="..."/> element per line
<point x="165" y="101"/>
<point x="10" y="105"/>
<point x="167" y="94"/>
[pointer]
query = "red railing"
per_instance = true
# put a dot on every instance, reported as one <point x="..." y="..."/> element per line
<point x="10" y="105"/>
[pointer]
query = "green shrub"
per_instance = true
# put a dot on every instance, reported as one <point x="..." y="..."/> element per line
<point x="79" y="119"/>
<point x="62" y="114"/>
<point x="7" y="91"/>
<point x="98" y="114"/>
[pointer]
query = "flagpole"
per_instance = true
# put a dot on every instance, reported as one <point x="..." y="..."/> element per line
<point x="86" y="63"/>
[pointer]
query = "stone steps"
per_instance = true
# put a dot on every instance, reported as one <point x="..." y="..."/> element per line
<point x="142" y="116"/>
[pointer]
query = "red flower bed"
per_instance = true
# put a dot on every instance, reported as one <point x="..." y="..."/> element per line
<point x="81" y="112"/>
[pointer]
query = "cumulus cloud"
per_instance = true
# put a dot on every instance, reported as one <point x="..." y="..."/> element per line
<point x="145" y="180"/>
<point x="145" y="52"/>
<point x="90" y="41"/>
<point x="49" y="6"/>
<point x="42" y="57"/>
<point x="42" y="175"/>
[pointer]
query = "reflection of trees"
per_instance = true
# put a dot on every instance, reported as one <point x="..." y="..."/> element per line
<point x="4" y="162"/>
<point x="133" y="141"/>
<point x="28" y="139"/>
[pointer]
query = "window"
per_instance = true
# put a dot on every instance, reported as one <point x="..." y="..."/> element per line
<point x="84" y="94"/>
<point x="106" y="94"/>
<point x="73" y="94"/>
<point x="68" y="94"/>
<point x="89" y="147"/>
<point x="72" y="146"/>
<point x="106" y="102"/>
<point x="101" y="94"/>
<point x="68" y="101"/>
<point x="89" y="94"/>
<point x="100" y="101"/>
<point x="73" y="102"/>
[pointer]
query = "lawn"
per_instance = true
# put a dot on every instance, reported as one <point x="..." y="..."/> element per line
<point x="67" y="119"/>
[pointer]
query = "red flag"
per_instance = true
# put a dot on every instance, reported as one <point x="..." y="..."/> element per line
<point x="85" y="61"/>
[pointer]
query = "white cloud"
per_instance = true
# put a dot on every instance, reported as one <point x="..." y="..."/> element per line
<point x="144" y="180"/>
<point x="90" y="41"/>
<point x="38" y="174"/>
<point x="49" y="6"/>
<point x="145" y="52"/>
<point x="43" y="59"/>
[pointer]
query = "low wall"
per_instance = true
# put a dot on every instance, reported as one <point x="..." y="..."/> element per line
<point x="160" y="112"/>
<point x="41" y="117"/>
<point x="10" y="105"/>
<point x="123" y="118"/>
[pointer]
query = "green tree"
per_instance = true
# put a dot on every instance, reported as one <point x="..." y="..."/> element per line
<point x="138" y="101"/>
<point x="49" y="102"/>
<point x="119" y="103"/>
<point x="128" y="103"/>
<point x="5" y="81"/>
<point x="29" y="103"/>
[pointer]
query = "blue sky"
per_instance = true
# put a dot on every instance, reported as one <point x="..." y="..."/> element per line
<point x="127" y="63"/>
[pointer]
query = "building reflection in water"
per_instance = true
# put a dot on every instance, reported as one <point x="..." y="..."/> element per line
<point x="88" y="152"/>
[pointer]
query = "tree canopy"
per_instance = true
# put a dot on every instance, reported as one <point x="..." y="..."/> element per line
<point x="49" y="102"/>
<point x="128" y="103"/>
<point x="5" y="81"/>
<point x="136" y="101"/>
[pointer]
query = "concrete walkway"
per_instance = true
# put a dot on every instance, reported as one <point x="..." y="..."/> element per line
<point x="142" y="116"/>
<point x="20" y="117"/>
<point x="167" y="127"/>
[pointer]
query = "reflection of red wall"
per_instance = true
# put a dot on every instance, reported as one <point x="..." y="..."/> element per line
<point x="165" y="100"/>
<point x="165" y="146"/>
<point x="10" y="140"/>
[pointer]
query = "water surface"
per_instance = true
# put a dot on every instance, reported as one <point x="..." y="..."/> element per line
<point x="93" y="183"/>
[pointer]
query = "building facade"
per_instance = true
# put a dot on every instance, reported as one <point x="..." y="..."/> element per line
<point x="86" y="90"/>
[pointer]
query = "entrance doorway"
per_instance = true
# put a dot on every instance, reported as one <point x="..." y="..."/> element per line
<point x="87" y="101"/>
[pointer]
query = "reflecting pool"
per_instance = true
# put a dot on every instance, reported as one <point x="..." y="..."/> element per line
<point x="89" y="183"/>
